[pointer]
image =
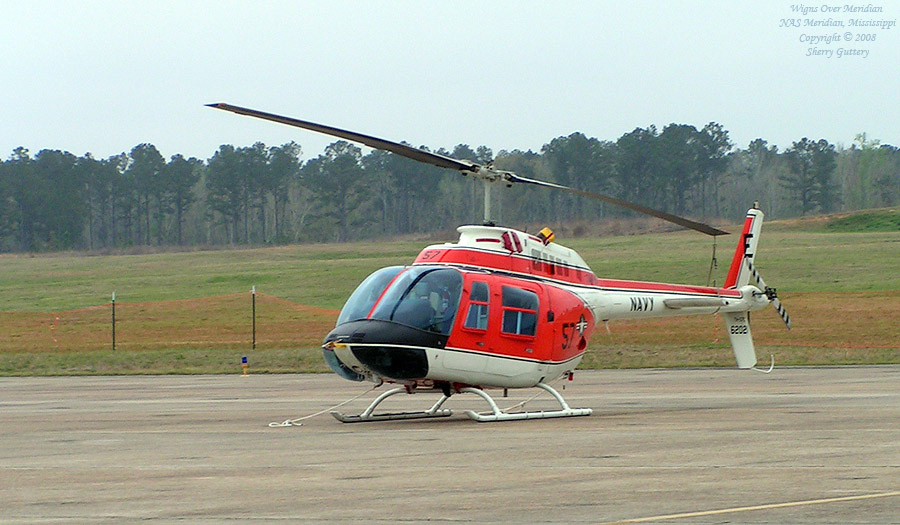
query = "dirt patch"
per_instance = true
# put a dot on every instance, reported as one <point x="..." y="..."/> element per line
<point x="211" y="322"/>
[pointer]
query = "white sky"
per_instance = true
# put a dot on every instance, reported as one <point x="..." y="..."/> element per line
<point x="103" y="76"/>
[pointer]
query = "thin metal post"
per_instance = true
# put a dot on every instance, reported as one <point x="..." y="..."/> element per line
<point x="253" y="302"/>
<point x="114" y="321"/>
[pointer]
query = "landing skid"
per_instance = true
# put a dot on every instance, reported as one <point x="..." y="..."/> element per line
<point x="368" y="415"/>
<point x="498" y="415"/>
<point x="436" y="411"/>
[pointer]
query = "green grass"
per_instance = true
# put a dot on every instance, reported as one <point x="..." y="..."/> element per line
<point x="324" y="275"/>
<point x="789" y="260"/>
<point x="872" y="221"/>
<point x="319" y="275"/>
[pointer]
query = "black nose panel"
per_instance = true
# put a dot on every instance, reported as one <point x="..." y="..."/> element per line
<point x="389" y="349"/>
<point x="393" y="362"/>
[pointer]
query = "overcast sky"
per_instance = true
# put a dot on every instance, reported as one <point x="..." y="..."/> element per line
<point x="103" y="76"/>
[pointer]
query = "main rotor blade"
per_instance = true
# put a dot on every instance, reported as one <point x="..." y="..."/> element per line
<point x="488" y="174"/>
<point x="428" y="157"/>
<point x="681" y="221"/>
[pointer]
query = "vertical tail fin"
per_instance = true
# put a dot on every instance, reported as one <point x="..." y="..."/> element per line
<point x="738" y="326"/>
<point x="738" y="323"/>
<point x="739" y="273"/>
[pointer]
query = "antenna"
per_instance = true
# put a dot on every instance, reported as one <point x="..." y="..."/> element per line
<point x="487" y="202"/>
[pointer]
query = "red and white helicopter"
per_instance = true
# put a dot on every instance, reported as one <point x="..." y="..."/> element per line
<point x="502" y="308"/>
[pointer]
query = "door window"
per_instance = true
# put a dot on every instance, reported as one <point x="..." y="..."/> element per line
<point x="477" y="316"/>
<point x="520" y="308"/>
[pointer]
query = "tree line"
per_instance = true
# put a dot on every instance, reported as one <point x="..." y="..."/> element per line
<point x="258" y="194"/>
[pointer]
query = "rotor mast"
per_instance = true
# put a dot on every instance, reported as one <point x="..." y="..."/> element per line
<point x="487" y="201"/>
<point x="488" y="176"/>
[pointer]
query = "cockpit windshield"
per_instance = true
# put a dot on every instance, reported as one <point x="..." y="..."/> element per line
<point x="423" y="297"/>
<point x="363" y="299"/>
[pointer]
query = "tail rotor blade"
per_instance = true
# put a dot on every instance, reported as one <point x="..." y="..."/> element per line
<point x="755" y="274"/>
<point x="770" y="293"/>
<point x="782" y="312"/>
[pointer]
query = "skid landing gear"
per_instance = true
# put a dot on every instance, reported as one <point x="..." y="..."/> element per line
<point x="498" y="415"/>
<point x="367" y="415"/>
<point x="436" y="411"/>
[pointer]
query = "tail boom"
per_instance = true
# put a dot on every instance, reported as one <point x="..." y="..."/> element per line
<point x="734" y="301"/>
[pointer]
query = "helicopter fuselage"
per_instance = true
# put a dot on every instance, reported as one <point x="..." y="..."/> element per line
<point x="500" y="308"/>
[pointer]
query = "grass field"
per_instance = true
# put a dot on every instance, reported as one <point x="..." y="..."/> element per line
<point x="190" y="312"/>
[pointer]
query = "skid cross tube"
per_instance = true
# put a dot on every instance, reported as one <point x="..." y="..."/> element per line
<point x="498" y="415"/>
<point x="369" y="415"/>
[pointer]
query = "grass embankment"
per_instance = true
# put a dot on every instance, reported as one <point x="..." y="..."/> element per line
<point x="190" y="312"/>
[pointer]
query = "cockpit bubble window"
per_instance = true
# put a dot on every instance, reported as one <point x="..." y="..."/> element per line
<point x="363" y="299"/>
<point x="423" y="297"/>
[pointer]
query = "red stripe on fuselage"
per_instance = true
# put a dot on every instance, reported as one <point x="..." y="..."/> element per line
<point x="525" y="266"/>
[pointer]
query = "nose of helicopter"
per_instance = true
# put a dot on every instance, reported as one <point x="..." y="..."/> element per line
<point x="389" y="349"/>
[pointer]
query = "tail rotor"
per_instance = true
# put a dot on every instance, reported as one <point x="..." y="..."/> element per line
<point x="770" y="294"/>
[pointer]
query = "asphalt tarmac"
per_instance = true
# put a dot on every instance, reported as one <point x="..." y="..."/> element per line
<point x="801" y="445"/>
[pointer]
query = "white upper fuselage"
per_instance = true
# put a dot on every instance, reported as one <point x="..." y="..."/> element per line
<point x="520" y="254"/>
